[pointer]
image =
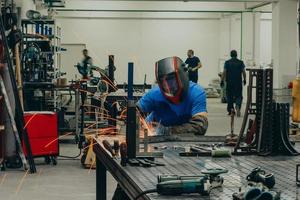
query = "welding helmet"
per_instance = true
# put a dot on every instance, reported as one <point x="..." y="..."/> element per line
<point x="171" y="76"/>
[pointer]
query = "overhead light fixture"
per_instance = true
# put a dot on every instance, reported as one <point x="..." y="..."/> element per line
<point x="55" y="3"/>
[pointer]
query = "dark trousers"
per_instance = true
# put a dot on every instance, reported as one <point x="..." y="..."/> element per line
<point x="194" y="79"/>
<point x="234" y="95"/>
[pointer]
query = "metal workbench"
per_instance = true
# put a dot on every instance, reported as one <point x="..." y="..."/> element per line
<point x="134" y="180"/>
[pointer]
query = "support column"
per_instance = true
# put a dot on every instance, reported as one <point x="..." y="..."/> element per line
<point x="284" y="42"/>
<point x="248" y="39"/>
<point x="256" y="47"/>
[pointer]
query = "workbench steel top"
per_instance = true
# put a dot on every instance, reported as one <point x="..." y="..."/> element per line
<point x="283" y="167"/>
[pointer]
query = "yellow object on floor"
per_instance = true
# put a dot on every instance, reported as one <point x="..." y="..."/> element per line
<point x="89" y="158"/>
<point x="296" y="100"/>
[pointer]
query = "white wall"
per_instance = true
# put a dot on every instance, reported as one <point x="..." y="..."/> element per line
<point x="145" y="37"/>
<point x="284" y="42"/>
<point x="266" y="40"/>
<point x="25" y="5"/>
<point x="144" y="41"/>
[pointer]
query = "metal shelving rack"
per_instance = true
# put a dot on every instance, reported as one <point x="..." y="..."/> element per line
<point x="39" y="31"/>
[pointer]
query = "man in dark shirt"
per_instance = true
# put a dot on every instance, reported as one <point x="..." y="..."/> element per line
<point x="194" y="64"/>
<point x="234" y="71"/>
<point x="87" y="63"/>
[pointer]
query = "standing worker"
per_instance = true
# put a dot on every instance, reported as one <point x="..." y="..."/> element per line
<point x="85" y="67"/>
<point x="235" y="76"/>
<point x="194" y="64"/>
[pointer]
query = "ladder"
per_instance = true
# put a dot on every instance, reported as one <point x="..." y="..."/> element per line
<point x="18" y="119"/>
<point x="13" y="124"/>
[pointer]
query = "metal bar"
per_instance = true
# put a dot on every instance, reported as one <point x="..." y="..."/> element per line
<point x="131" y="129"/>
<point x="111" y="71"/>
<point x="130" y="81"/>
<point x="101" y="191"/>
<point x="131" y="116"/>
<point x="258" y="5"/>
<point x="119" y="174"/>
<point x="158" y="11"/>
<point x="200" y="0"/>
<point x="246" y="114"/>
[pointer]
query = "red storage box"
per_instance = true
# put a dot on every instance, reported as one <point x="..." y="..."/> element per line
<point x="43" y="133"/>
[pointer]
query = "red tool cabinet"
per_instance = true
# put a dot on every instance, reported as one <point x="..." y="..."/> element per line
<point x="43" y="135"/>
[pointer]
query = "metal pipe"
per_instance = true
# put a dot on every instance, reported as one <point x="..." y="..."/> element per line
<point x="130" y="81"/>
<point x="131" y="117"/>
<point x="223" y="1"/>
<point x="258" y="5"/>
<point x="156" y="11"/>
<point x="111" y="71"/>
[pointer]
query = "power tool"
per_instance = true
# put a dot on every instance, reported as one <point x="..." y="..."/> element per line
<point x="179" y="187"/>
<point x="175" y="185"/>
<point x="259" y="176"/>
<point x="258" y="187"/>
<point x="256" y="191"/>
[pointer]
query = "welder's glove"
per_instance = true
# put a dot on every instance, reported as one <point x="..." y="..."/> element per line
<point x="162" y="130"/>
<point x="197" y="125"/>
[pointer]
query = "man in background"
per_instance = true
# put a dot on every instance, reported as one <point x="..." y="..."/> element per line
<point x="194" y="64"/>
<point x="235" y="76"/>
<point x="85" y="67"/>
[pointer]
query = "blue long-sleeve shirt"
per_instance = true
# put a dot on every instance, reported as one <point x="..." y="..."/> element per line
<point x="169" y="114"/>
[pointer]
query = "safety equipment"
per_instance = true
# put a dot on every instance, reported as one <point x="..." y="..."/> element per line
<point x="171" y="76"/>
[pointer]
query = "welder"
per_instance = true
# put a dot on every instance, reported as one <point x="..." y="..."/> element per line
<point x="177" y="104"/>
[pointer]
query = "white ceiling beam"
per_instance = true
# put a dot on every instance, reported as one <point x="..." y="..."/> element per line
<point x="238" y="1"/>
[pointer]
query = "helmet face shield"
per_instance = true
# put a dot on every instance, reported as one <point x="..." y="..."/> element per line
<point x="170" y="84"/>
<point x="171" y="78"/>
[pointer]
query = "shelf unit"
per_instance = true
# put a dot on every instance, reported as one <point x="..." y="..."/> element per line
<point x="46" y="34"/>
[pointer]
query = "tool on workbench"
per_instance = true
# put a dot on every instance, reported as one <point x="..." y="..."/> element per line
<point x="108" y="147"/>
<point x="213" y="175"/>
<point x="172" y="177"/>
<point x="174" y="185"/>
<point x="231" y="139"/>
<point x="259" y="176"/>
<point x="256" y="191"/>
<point x="213" y="150"/>
<point x="144" y="162"/>
<point x="123" y="152"/>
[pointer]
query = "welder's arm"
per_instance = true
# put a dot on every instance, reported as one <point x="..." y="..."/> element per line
<point x="197" y="125"/>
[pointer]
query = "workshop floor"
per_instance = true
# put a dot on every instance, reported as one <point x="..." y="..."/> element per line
<point x="68" y="181"/>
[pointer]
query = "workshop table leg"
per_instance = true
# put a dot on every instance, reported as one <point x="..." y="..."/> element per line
<point x="100" y="180"/>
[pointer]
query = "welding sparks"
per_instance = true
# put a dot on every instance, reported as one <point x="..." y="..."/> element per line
<point x="21" y="182"/>
<point x="47" y="145"/>
<point x="3" y="179"/>
<point x="31" y="118"/>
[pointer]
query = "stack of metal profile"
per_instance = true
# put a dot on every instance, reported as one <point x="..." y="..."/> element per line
<point x="271" y="119"/>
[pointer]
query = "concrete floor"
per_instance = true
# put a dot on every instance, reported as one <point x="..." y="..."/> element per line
<point x="69" y="181"/>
